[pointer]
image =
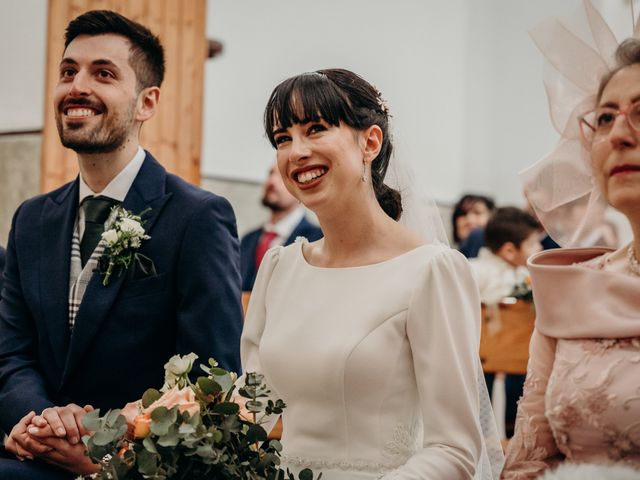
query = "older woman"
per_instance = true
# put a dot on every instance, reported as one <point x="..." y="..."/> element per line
<point x="582" y="397"/>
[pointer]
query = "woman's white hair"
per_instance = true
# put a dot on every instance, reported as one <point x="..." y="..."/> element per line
<point x="592" y="472"/>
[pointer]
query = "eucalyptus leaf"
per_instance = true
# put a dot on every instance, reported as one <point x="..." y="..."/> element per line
<point x="147" y="462"/>
<point x="254" y="406"/>
<point x="209" y="386"/>
<point x="306" y="474"/>
<point x="256" y="434"/>
<point x="149" y="446"/>
<point x="218" y="372"/>
<point x="186" y="429"/>
<point x="171" y="439"/>
<point x="224" y="381"/>
<point x="104" y="437"/>
<point x="92" y="420"/>
<point x="227" y="408"/>
<point x="276" y="445"/>
<point x="149" y="396"/>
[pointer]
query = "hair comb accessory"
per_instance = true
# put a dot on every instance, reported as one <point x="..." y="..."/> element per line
<point x="560" y="187"/>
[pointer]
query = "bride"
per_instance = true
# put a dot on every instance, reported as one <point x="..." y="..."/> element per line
<point x="369" y="335"/>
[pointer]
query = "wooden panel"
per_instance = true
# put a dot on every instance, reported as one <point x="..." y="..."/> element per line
<point x="174" y="134"/>
<point x="506" y="332"/>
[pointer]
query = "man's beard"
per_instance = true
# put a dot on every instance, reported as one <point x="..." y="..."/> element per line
<point x="105" y="137"/>
<point x="272" y="205"/>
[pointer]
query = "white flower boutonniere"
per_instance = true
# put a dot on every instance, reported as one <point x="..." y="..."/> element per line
<point x="123" y="236"/>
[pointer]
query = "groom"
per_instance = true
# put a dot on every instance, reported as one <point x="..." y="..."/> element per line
<point x="67" y="341"/>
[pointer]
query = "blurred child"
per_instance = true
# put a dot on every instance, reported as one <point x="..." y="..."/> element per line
<point x="511" y="237"/>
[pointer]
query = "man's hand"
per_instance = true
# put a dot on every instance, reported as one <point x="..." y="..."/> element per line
<point x="67" y="456"/>
<point x="21" y="444"/>
<point x="60" y="422"/>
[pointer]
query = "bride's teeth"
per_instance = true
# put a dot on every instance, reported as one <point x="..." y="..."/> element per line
<point x="310" y="175"/>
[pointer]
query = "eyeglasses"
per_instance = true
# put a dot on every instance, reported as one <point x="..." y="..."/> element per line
<point x="599" y="122"/>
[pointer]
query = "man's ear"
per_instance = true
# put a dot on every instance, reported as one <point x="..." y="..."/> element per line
<point x="372" y="137"/>
<point x="147" y="103"/>
<point x="508" y="251"/>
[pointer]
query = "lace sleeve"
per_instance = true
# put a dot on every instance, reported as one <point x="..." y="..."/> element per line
<point x="533" y="448"/>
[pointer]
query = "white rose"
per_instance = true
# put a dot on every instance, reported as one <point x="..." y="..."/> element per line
<point x="129" y="225"/>
<point x="110" y="236"/>
<point x="176" y="367"/>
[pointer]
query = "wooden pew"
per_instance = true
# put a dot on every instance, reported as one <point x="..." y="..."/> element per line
<point x="504" y="341"/>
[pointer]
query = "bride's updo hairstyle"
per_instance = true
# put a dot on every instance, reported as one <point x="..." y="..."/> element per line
<point x="337" y="95"/>
<point x="627" y="54"/>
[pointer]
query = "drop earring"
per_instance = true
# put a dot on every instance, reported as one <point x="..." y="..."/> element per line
<point x="364" y="171"/>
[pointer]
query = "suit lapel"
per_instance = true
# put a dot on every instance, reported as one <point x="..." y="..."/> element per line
<point x="57" y="224"/>
<point x="296" y="232"/>
<point x="147" y="191"/>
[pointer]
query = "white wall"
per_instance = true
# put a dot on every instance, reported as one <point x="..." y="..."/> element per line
<point x="462" y="77"/>
<point x="23" y="32"/>
<point x="413" y="51"/>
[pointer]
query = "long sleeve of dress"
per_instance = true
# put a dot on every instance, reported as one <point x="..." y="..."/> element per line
<point x="533" y="449"/>
<point x="443" y="327"/>
<point x="255" y="322"/>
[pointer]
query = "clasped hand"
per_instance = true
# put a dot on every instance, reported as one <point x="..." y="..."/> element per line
<point x="54" y="437"/>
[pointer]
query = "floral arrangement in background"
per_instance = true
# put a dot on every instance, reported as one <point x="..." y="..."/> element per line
<point x="190" y="430"/>
<point x="522" y="291"/>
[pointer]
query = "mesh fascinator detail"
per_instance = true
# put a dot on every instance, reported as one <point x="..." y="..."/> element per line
<point x="561" y="187"/>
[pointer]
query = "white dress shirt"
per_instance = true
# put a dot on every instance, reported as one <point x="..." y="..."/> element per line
<point x="116" y="189"/>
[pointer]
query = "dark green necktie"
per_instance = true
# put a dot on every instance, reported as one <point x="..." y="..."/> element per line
<point x="96" y="212"/>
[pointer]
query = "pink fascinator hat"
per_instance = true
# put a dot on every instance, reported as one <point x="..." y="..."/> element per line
<point x="560" y="187"/>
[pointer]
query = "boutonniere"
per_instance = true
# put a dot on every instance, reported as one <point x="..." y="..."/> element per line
<point x="122" y="238"/>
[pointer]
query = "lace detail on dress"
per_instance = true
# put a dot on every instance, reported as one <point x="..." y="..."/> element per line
<point x="403" y="444"/>
<point x="396" y="452"/>
<point x="351" y="464"/>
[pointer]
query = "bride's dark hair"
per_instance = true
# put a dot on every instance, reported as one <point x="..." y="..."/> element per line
<point x="336" y="95"/>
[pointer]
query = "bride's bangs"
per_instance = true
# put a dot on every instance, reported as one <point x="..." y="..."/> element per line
<point x="306" y="98"/>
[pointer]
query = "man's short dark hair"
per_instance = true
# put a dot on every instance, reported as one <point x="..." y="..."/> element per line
<point x="509" y="224"/>
<point x="146" y="55"/>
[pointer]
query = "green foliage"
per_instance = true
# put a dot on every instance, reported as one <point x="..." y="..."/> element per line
<point x="216" y="443"/>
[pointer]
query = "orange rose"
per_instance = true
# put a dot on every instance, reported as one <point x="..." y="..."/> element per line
<point x="142" y="426"/>
<point x="139" y="419"/>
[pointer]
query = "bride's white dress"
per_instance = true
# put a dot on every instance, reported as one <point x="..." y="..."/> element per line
<point x="377" y="364"/>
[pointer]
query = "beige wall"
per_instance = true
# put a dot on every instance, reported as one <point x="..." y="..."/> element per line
<point x="19" y="175"/>
<point x="20" y="179"/>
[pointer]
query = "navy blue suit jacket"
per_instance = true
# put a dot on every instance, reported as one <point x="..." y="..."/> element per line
<point x="2" y="255"/>
<point x="125" y="331"/>
<point x="249" y="244"/>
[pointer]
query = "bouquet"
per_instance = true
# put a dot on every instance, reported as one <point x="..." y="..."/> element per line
<point x="190" y="430"/>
